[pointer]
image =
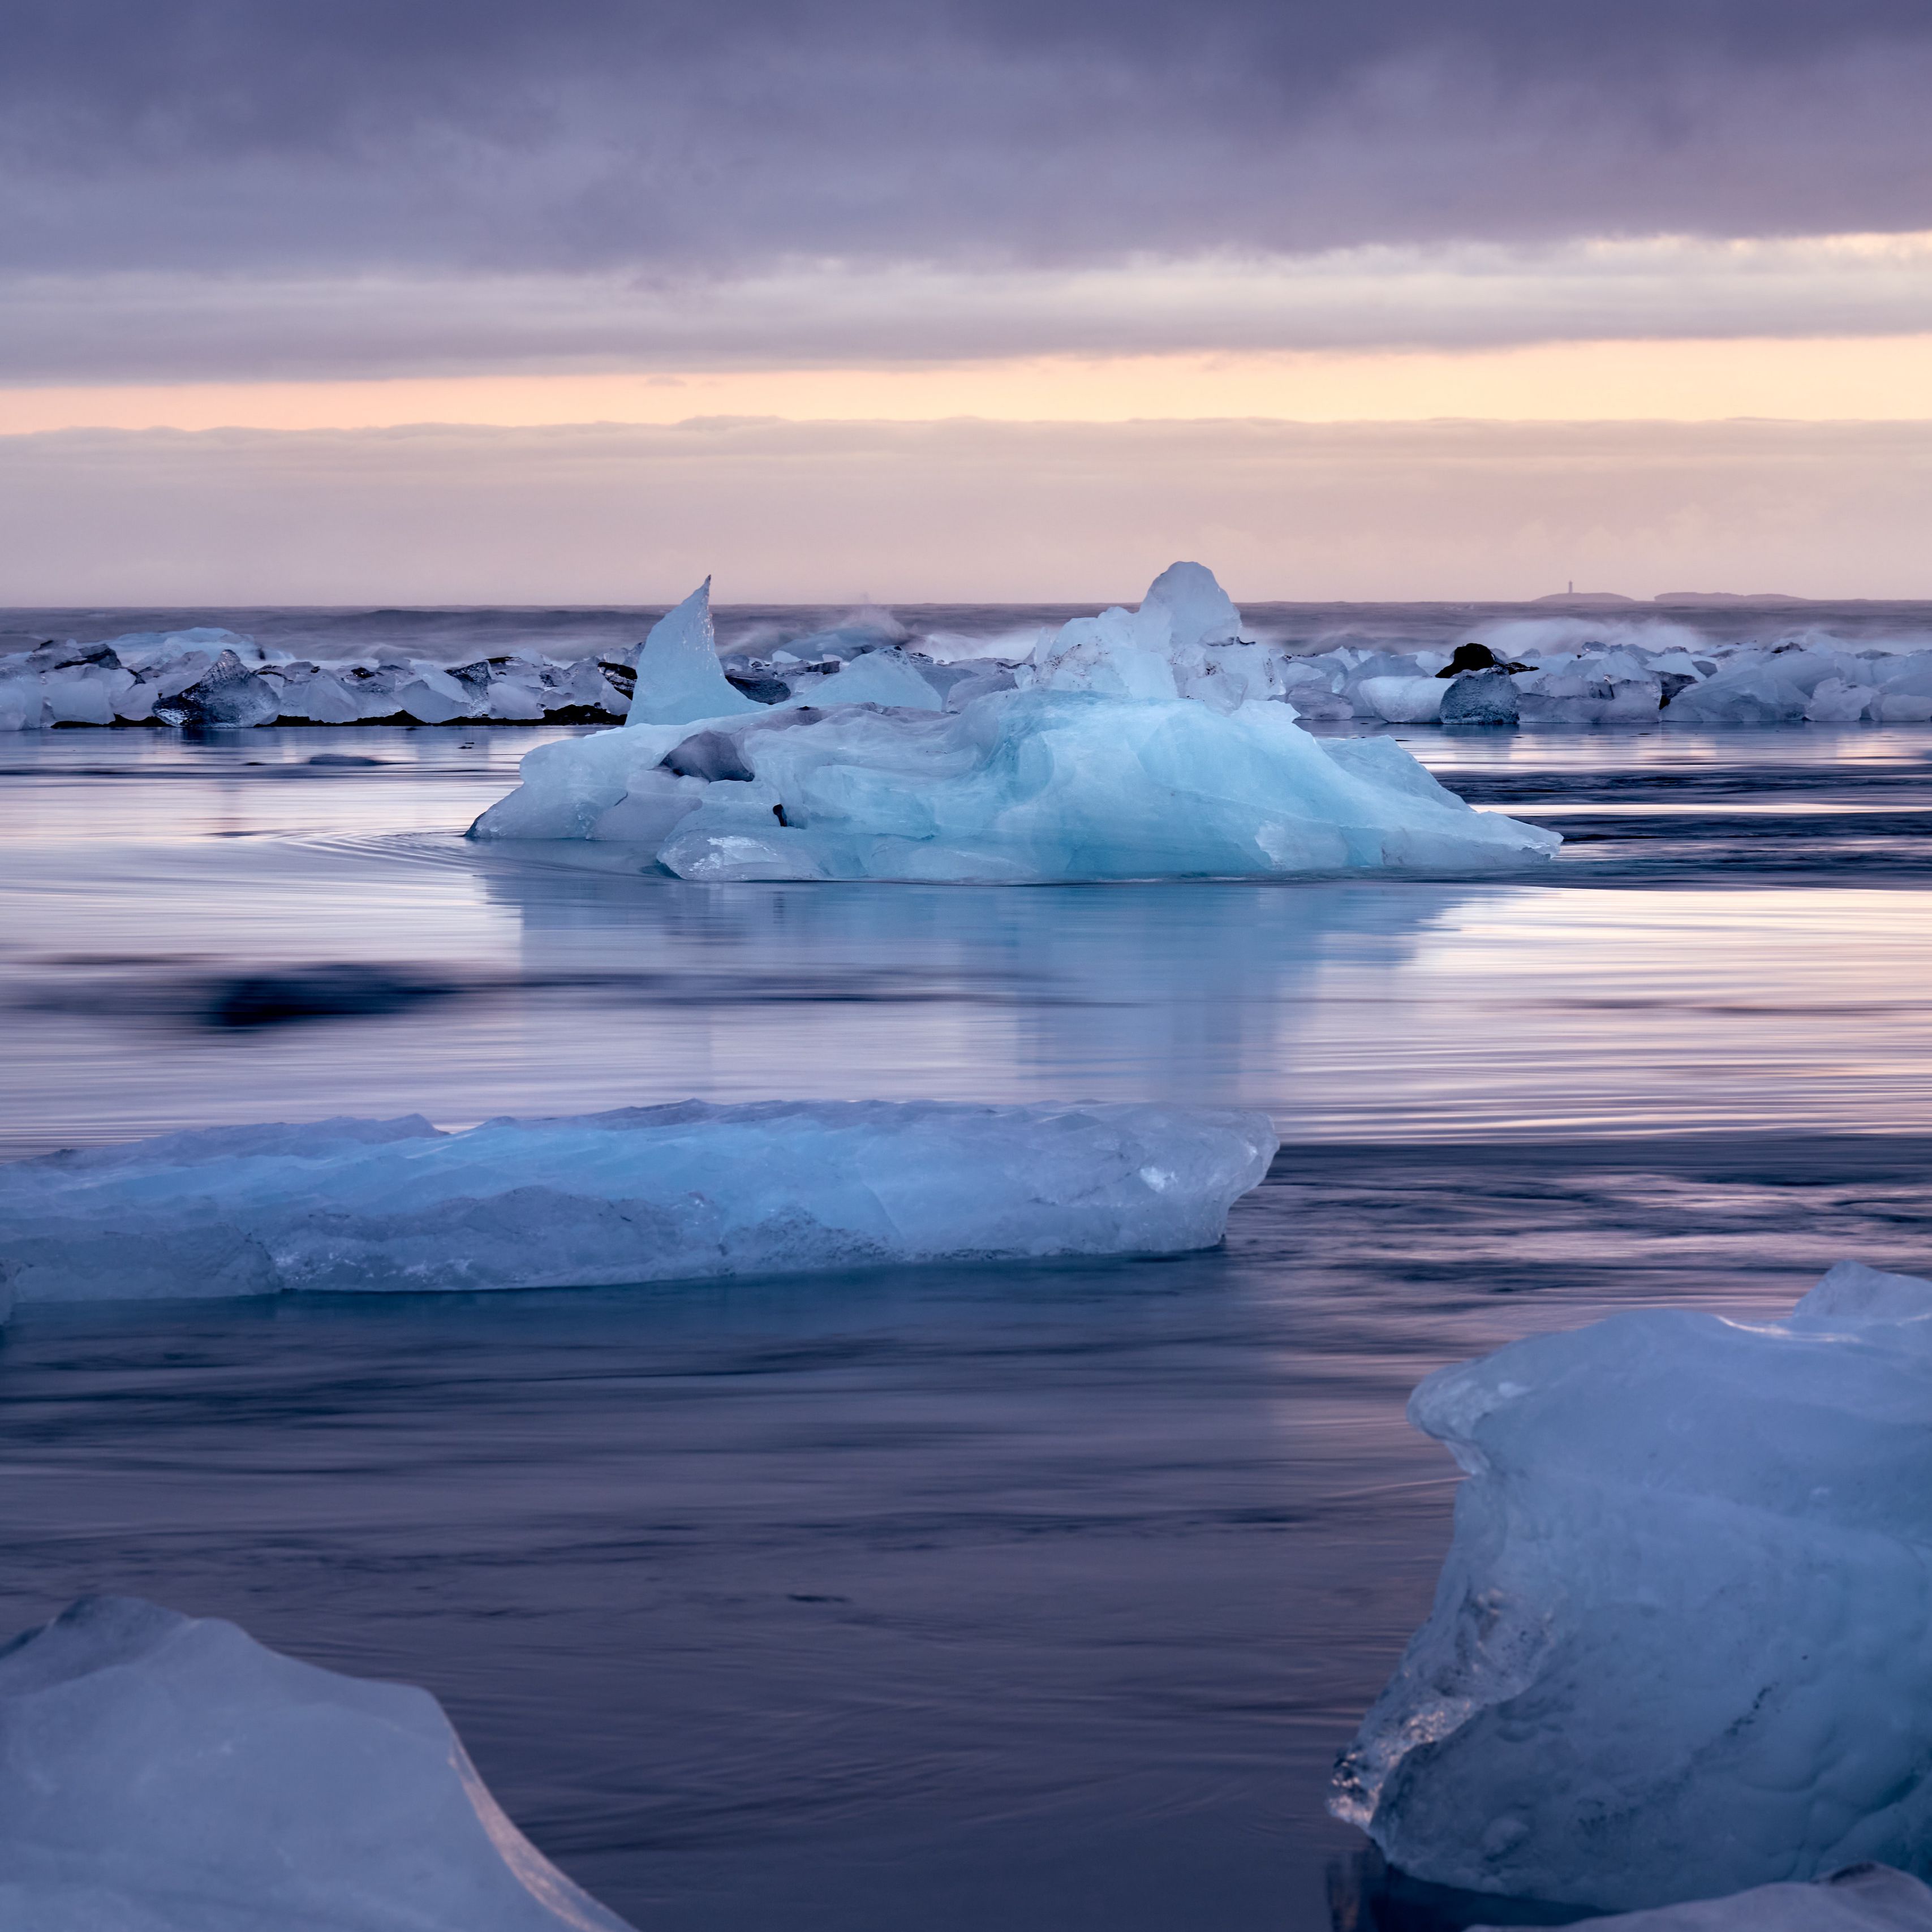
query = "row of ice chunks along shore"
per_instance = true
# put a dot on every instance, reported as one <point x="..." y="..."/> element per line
<point x="1816" y="683"/>
<point x="207" y="676"/>
<point x="214" y="677"/>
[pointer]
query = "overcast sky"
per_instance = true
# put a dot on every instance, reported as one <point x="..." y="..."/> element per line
<point x="230" y="187"/>
<point x="354" y="214"/>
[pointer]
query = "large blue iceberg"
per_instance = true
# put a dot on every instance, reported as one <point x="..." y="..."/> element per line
<point x="1680" y="1644"/>
<point x="1153" y="743"/>
<point x="644" y="1194"/>
<point x="160" y="1773"/>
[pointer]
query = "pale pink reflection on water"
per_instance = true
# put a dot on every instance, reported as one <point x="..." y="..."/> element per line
<point x="1025" y="1597"/>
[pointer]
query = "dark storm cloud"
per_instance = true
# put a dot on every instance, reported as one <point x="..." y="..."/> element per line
<point x="235" y="134"/>
<point x="228" y="187"/>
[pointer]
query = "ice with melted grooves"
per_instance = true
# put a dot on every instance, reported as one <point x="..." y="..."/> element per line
<point x="1678" y="1648"/>
<point x="644" y="1194"/>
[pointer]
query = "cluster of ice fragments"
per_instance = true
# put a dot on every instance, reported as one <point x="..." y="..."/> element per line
<point x="644" y="1194"/>
<point x="1187" y="640"/>
<point x="1147" y="743"/>
<point x="214" y="677"/>
<point x="164" y="1774"/>
<point x="1565" y="673"/>
<point x="1679" y="1648"/>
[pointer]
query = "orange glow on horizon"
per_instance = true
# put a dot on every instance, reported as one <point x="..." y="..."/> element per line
<point x="1885" y="378"/>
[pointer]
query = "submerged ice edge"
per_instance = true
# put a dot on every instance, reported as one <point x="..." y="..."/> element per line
<point x="642" y="1195"/>
<point x="1677" y="1648"/>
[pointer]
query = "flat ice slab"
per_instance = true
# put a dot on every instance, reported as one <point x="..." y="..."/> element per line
<point x="161" y="1773"/>
<point x="1861" y="1898"/>
<point x="639" y="1194"/>
<point x="1680" y="1644"/>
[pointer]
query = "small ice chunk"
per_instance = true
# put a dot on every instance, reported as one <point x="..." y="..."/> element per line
<point x="228" y="693"/>
<point x="679" y="679"/>
<point x="431" y="696"/>
<point x="886" y="677"/>
<point x="1413" y="700"/>
<point x="1678" y="1646"/>
<point x="643" y="1194"/>
<point x="160" y="1773"/>
<point x="1480" y="697"/>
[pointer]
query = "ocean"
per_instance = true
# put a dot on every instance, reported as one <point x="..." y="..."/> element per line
<point x="1033" y="1597"/>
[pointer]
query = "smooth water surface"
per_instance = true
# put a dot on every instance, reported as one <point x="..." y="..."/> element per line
<point x="1030" y="1598"/>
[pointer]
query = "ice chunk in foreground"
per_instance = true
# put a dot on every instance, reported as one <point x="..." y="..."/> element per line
<point x="1680" y="1646"/>
<point x="1147" y="746"/>
<point x="1861" y="1898"/>
<point x="161" y="1773"/>
<point x="679" y="679"/>
<point x="644" y="1194"/>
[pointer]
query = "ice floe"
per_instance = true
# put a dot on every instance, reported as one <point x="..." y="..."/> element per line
<point x="160" y="1773"/>
<point x="1150" y="743"/>
<point x="644" y="1194"/>
<point x="1678" y="1648"/>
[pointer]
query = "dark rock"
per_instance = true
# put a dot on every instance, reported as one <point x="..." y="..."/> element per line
<point x="706" y="755"/>
<point x="1480" y="697"/>
<point x="318" y="992"/>
<point x="762" y="690"/>
<point x="1476" y="657"/>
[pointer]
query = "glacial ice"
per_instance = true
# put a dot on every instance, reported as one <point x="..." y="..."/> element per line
<point x="679" y="679"/>
<point x="1861" y="1898"/>
<point x="643" y="1194"/>
<point x="1186" y="640"/>
<point x="1678" y="1648"/>
<point x="160" y="1773"/>
<point x="1140" y="744"/>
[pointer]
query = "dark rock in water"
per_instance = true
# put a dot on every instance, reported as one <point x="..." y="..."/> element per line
<point x="318" y="992"/>
<point x="344" y="758"/>
<point x="1480" y="697"/>
<point x="763" y="690"/>
<point x="1476" y="657"/>
<point x="229" y="694"/>
<point x="706" y="755"/>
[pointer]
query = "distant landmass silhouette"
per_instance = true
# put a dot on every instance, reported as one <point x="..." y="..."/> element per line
<point x="1595" y="600"/>
<point x="1695" y="597"/>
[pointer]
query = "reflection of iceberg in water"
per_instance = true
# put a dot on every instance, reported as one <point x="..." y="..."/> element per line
<point x="1191" y="993"/>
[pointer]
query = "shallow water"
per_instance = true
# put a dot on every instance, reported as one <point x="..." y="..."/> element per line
<point x="1025" y="1598"/>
